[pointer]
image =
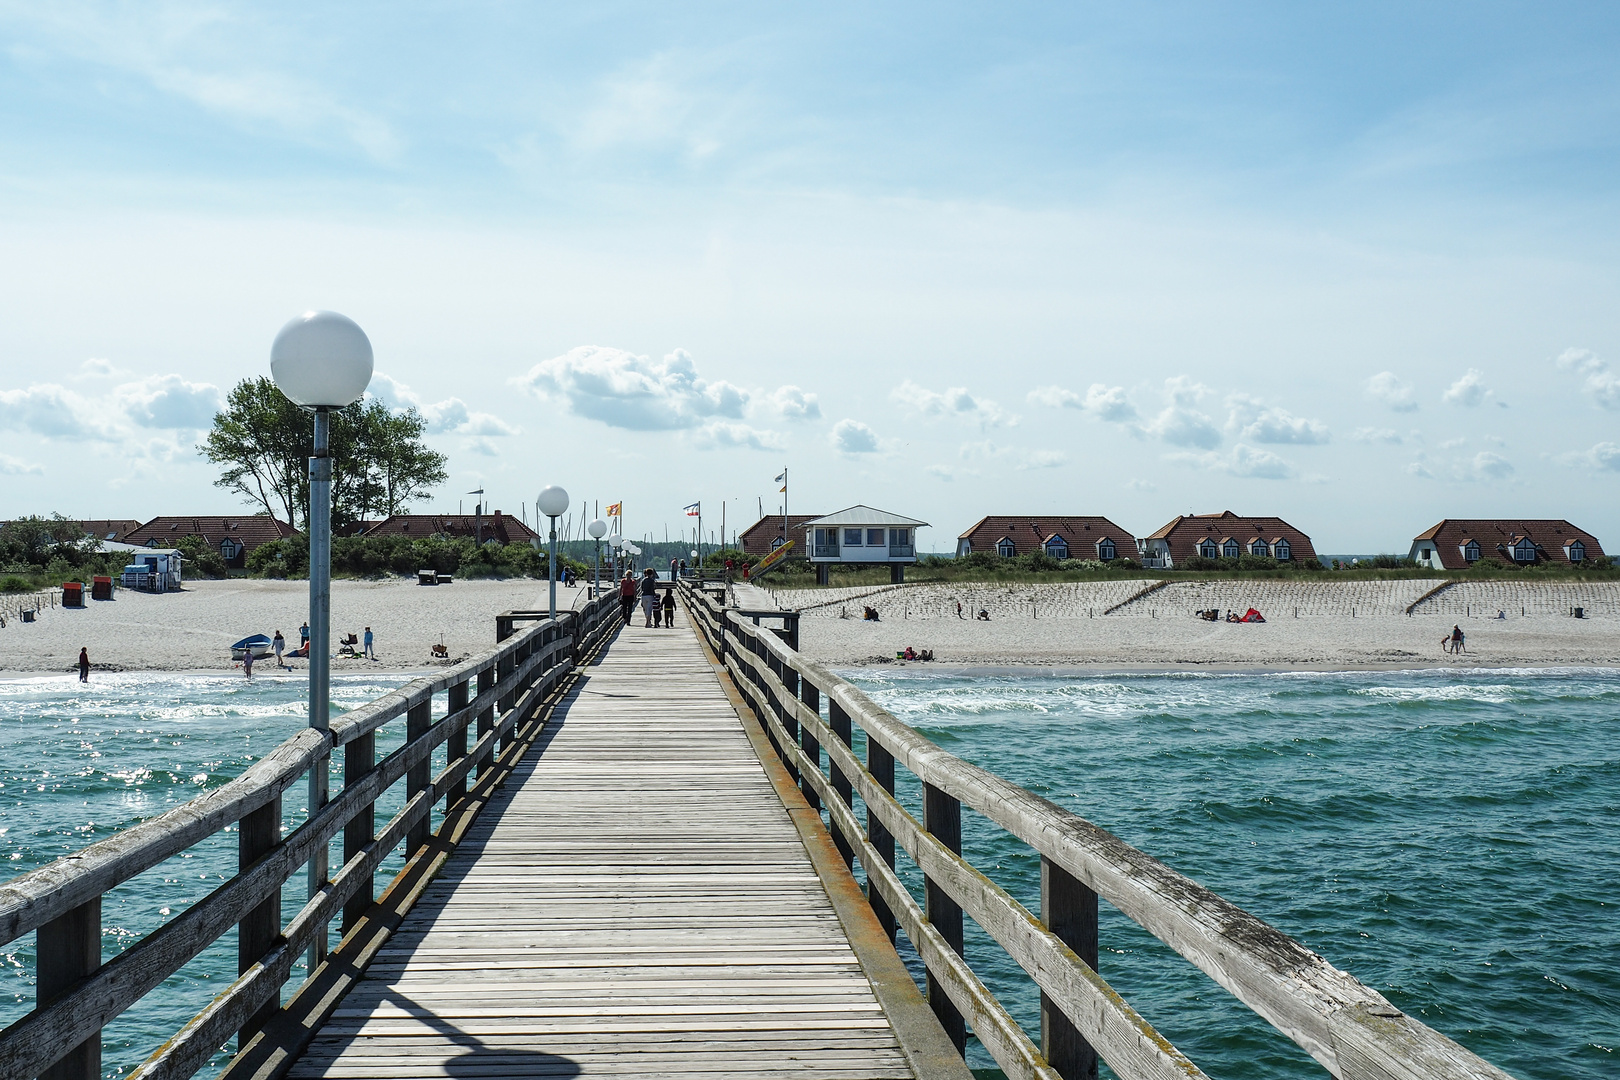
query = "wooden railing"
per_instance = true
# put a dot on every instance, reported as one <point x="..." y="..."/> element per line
<point x="498" y="698"/>
<point x="1351" y="1029"/>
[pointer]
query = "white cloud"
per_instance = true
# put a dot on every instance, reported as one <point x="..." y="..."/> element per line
<point x="10" y="466"/>
<point x="1242" y="460"/>
<point x="1605" y="455"/>
<point x="624" y="390"/>
<point x="941" y="472"/>
<point x="1184" y="427"/>
<point x="1103" y="402"/>
<point x="1142" y="485"/>
<point x="1469" y="391"/>
<point x="1602" y="383"/>
<point x="1259" y="423"/>
<point x="450" y="416"/>
<point x="171" y="403"/>
<point x="1387" y="389"/>
<point x="725" y="435"/>
<point x="481" y="445"/>
<point x="1417" y="468"/>
<point x="56" y="413"/>
<point x="1377" y="435"/>
<point x="98" y="368"/>
<point x="853" y="437"/>
<point x="1492" y="466"/>
<point x="1011" y="455"/>
<point x="1452" y="444"/>
<point x="792" y="403"/>
<point x="955" y="402"/>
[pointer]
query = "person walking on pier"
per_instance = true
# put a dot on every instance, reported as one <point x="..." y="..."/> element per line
<point x="627" y="596"/>
<point x="649" y="593"/>
<point x="669" y="609"/>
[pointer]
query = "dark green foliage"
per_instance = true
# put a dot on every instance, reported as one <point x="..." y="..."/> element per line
<point x="52" y="550"/>
<point x="15" y="585"/>
<point x="202" y="560"/>
<point x="379" y="465"/>
<point x="382" y="556"/>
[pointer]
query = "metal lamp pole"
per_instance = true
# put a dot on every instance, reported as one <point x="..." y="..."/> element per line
<point x="321" y="361"/>
<point x="553" y="502"/>
<point x="597" y="529"/>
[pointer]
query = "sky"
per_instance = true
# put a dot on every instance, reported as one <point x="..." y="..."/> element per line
<point x="1353" y="265"/>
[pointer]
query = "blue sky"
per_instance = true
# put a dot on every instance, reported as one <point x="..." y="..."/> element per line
<point x="1351" y="265"/>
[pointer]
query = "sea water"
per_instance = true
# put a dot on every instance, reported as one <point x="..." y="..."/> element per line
<point x="1451" y="839"/>
<point x="1448" y="838"/>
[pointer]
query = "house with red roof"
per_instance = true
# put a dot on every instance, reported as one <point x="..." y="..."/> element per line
<point x="494" y="527"/>
<point x="1459" y="543"/>
<point x="1076" y="536"/>
<point x="232" y="537"/>
<point x="1224" y="536"/>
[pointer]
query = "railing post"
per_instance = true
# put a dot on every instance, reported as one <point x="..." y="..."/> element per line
<point x="880" y="763"/>
<point x="1069" y="910"/>
<point x="257" y="834"/>
<point x="419" y="777"/>
<point x="69" y="948"/>
<point x="486" y="717"/>
<point x="942" y="817"/>
<point x="456" y="744"/>
<point x="838" y="720"/>
<point x="359" y="758"/>
<point x="504" y="666"/>
<point x="802" y="690"/>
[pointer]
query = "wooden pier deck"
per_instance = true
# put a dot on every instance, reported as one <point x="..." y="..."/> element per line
<point x="637" y="901"/>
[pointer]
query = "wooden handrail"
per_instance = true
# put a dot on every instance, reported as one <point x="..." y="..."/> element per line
<point x="1351" y="1029"/>
<point x="55" y="1036"/>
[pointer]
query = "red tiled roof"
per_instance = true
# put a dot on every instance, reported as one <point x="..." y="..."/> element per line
<point x="756" y="539"/>
<point x="250" y="531"/>
<point x="1496" y="538"/>
<point x="1183" y="534"/>
<point x="1030" y="533"/>
<point x="497" y="526"/>
<point x="109" y="528"/>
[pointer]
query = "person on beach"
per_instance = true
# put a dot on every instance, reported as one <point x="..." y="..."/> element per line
<point x="649" y="593"/>
<point x="627" y="595"/>
<point x="278" y="645"/>
<point x="959" y="609"/>
<point x="983" y="615"/>
<point x="1445" y="644"/>
<point x="370" y="653"/>
<point x="1457" y="643"/>
<point x="84" y="664"/>
<point x="303" y="640"/>
<point x="669" y="609"/>
<point x="247" y="663"/>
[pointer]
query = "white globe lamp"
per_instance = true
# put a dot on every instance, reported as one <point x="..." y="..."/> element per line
<point x="553" y="502"/>
<point x="597" y="529"/>
<point x="322" y="360"/>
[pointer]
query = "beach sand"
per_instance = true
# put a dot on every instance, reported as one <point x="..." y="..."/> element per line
<point x="1340" y="625"/>
<point x="193" y="630"/>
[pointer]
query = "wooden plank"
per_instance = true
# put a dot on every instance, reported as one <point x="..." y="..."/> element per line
<point x="635" y="902"/>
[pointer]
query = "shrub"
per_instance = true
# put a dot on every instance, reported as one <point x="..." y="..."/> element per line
<point x="15" y="585"/>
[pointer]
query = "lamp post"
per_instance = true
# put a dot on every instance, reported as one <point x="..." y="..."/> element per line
<point x="597" y="529"/>
<point x="697" y="566"/>
<point x="320" y="361"/>
<point x="553" y="502"/>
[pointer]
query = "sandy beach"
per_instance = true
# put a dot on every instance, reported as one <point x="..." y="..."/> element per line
<point x="1331" y="625"/>
<point x="193" y="630"/>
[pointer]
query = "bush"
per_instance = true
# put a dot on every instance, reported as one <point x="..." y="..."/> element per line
<point x="15" y="585"/>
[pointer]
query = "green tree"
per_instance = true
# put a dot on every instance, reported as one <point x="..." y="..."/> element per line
<point x="379" y="464"/>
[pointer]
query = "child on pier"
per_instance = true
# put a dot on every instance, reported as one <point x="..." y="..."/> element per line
<point x="669" y="608"/>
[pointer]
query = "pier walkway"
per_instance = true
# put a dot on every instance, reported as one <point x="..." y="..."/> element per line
<point x="637" y="901"/>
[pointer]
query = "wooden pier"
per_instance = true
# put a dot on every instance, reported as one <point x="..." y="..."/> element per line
<point x="636" y="902"/>
<point x="643" y="866"/>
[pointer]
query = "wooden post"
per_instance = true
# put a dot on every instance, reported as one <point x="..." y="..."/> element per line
<point x="838" y="720"/>
<point x="486" y="717"/>
<point x="456" y="744"/>
<point x="419" y="777"/>
<point x="880" y="763"/>
<point x="257" y="833"/>
<point x="812" y="750"/>
<point x="359" y="758"/>
<point x="1069" y="910"/>
<point x="503" y="667"/>
<point x="942" y="817"/>
<point x="69" y="948"/>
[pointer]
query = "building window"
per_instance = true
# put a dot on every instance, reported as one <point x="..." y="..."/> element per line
<point x="1258" y="547"/>
<point x="778" y="541"/>
<point x="1057" y="548"/>
<point x="1105" y="550"/>
<point x="229" y="549"/>
<point x="874" y="537"/>
<point x="852" y="538"/>
<point x="1208" y="549"/>
<point x="1471" y="551"/>
<point x="1283" y="550"/>
<point x="1577" y="551"/>
<point x="1232" y="549"/>
<point x="827" y="539"/>
<point x="1524" y="551"/>
<point x="1006" y="548"/>
<point x="899" y="537"/>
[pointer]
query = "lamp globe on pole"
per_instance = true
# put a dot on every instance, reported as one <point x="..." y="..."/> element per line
<point x="321" y="361"/>
<point x="553" y="502"/>
<point x="597" y="529"/>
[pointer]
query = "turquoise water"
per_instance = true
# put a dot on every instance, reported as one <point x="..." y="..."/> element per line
<point x="1450" y="839"/>
<point x="78" y="763"/>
